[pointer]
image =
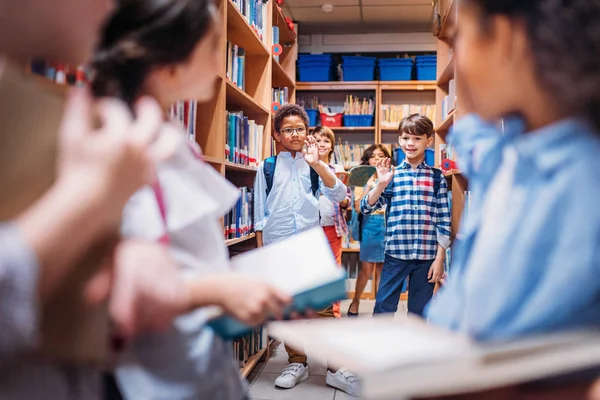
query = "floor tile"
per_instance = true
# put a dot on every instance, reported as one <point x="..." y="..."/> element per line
<point x="312" y="389"/>
<point x="339" y="395"/>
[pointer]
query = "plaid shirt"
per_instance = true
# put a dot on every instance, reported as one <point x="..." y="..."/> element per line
<point x="417" y="221"/>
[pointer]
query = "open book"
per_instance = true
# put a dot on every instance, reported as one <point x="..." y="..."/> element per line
<point x="406" y="357"/>
<point x="360" y="175"/>
<point x="302" y="266"/>
<point x="30" y="114"/>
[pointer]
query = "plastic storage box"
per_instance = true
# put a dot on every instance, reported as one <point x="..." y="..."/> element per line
<point x="358" y="120"/>
<point x="426" y="68"/>
<point x="313" y="116"/>
<point x="331" y="120"/>
<point x="316" y="68"/>
<point x="396" y="69"/>
<point x="358" y="68"/>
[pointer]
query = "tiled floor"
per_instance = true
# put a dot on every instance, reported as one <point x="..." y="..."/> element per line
<point x="263" y="377"/>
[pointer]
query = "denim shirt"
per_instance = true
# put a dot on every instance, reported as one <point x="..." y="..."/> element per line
<point x="291" y="207"/>
<point x="529" y="255"/>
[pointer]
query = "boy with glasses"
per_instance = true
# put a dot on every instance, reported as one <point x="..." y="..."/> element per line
<point x="286" y="192"/>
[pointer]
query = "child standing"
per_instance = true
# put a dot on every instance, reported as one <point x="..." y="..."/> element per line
<point x="287" y="203"/>
<point x="418" y="220"/>
<point x="372" y="230"/>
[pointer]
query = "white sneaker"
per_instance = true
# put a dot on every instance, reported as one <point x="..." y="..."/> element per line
<point x="292" y="375"/>
<point x="343" y="380"/>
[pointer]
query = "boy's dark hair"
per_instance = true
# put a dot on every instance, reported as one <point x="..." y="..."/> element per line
<point x="564" y="38"/>
<point x="144" y="34"/>
<point x="416" y="124"/>
<point x="289" y="110"/>
<point x="369" y="153"/>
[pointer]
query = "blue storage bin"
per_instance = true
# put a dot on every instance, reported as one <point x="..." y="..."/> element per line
<point x="354" y="60"/>
<point x="426" y="72"/>
<point x="425" y="58"/>
<point x="313" y="116"/>
<point x="395" y="72"/>
<point x="316" y="73"/>
<point x="354" y="73"/>
<point x="358" y="120"/>
<point x="315" y="57"/>
<point x="396" y="61"/>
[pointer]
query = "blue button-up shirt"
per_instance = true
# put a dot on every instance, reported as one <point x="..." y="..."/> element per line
<point x="291" y="207"/>
<point x="418" y="218"/>
<point x="529" y="259"/>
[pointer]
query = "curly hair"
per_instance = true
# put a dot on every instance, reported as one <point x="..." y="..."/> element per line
<point x="369" y="153"/>
<point x="145" y="34"/>
<point x="289" y="110"/>
<point x="564" y="38"/>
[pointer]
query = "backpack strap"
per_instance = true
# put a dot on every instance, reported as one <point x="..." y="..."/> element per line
<point x="437" y="180"/>
<point x="269" y="171"/>
<point x="314" y="181"/>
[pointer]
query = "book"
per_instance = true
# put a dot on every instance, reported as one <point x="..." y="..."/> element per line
<point x="397" y="358"/>
<point x="184" y="112"/>
<point x="311" y="276"/>
<point x="243" y="139"/>
<point x="360" y="175"/>
<point x="71" y="330"/>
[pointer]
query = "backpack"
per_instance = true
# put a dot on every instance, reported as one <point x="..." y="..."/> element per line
<point x="269" y="171"/>
<point x="437" y="181"/>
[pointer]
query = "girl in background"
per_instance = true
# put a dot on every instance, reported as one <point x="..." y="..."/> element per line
<point x="169" y="50"/>
<point x="372" y="231"/>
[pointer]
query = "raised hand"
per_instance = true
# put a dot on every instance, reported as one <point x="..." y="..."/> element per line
<point x="311" y="151"/>
<point x="385" y="172"/>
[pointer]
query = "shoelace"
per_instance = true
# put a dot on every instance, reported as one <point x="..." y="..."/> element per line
<point x="291" y="369"/>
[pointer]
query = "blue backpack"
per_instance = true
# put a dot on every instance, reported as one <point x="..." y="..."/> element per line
<point x="269" y="171"/>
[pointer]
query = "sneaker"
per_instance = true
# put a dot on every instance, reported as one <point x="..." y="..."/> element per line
<point x="292" y="375"/>
<point x="343" y="380"/>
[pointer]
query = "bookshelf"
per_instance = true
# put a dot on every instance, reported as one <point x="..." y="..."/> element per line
<point x="261" y="74"/>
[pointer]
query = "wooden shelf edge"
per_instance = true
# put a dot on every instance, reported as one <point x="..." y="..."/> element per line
<point x="280" y="75"/>
<point x="336" y="85"/>
<point x="407" y="85"/>
<point x="239" y="167"/>
<point x="231" y="242"/>
<point x="251" y="363"/>
<point x="212" y="160"/>
<point x="237" y="21"/>
<point x="350" y="250"/>
<point x="244" y="98"/>
<point x="446" y="20"/>
<point x="448" y="74"/>
<point x="445" y="126"/>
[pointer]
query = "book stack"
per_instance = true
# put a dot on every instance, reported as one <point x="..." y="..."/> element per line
<point x="349" y="155"/>
<point x="184" y="112"/>
<point x="281" y="95"/>
<point x="236" y="65"/>
<point x="392" y="114"/>
<point x="255" y="12"/>
<point x="244" y="138"/>
<point x="239" y="222"/>
<point x="249" y="345"/>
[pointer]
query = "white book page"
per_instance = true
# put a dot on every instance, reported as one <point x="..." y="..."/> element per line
<point x="294" y="265"/>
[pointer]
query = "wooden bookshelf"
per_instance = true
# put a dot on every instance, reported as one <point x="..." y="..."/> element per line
<point x="261" y="74"/>
<point x="337" y="86"/>
<point x="446" y="124"/>
<point x="447" y="74"/>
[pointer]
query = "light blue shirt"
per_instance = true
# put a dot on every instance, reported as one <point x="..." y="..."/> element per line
<point x="529" y="258"/>
<point x="291" y="207"/>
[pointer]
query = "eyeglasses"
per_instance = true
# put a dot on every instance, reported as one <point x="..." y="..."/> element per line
<point x="290" y="131"/>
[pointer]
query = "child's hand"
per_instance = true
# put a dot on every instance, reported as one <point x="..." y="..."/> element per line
<point x="110" y="163"/>
<point x="436" y="271"/>
<point x="385" y="172"/>
<point x="311" y="151"/>
<point x="251" y="301"/>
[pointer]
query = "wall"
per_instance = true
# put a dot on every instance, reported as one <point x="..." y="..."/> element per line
<point x="363" y="43"/>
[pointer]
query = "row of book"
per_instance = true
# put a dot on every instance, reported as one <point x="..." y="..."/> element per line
<point x="239" y="222"/>
<point x="249" y="345"/>
<point x="350" y="155"/>
<point x="392" y="114"/>
<point x="255" y="13"/>
<point x="449" y="101"/>
<point x="184" y="112"/>
<point x="354" y="105"/>
<point x="281" y="95"/>
<point x="446" y="152"/>
<point x="236" y="65"/>
<point x="62" y="74"/>
<point x="244" y="139"/>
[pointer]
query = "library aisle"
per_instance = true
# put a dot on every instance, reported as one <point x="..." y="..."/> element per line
<point x="262" y="379"/>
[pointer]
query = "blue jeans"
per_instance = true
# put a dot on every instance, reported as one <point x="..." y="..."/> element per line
<point x="394" y="272"/>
